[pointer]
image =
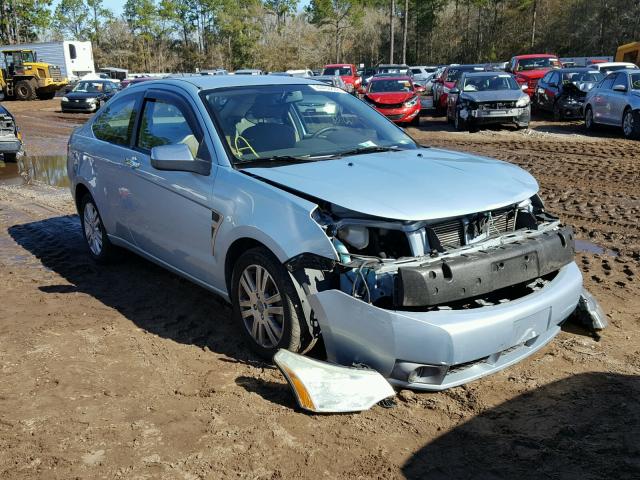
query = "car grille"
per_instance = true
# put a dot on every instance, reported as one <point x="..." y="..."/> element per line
<point x="6" y="125"/>
<point x="55" y="73"/>
<point x="384" y="105"/>
<point x="457" y="232"/>
<point x="395" y="117"/>
<point x="496" y="105"/>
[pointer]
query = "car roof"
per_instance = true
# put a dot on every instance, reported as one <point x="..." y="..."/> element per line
<point x="208" y="82"/>
<point x="486" y="74"/>
<point x="397" y="78"/>
<point x="613" y="64"/>
<point x="537" y="55"/>
<point x="576" y="69"/>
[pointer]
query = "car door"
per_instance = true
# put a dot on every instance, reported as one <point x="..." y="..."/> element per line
<point x="169" y="213"/>
<point x="618" y="99"/>
<point x="105" y="156"/>
<point x="601" y="106"/>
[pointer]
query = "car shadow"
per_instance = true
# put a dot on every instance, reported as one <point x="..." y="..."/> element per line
<point x="583" y="427"/>
<point x="151" y="297"/>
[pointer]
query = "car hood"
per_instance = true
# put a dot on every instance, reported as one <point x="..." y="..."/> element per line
<point x="390" y="97"/>
<point x="410" y="185"/>
<point x="495" y="95"/>
<point x="533" y="74"/>
<point x="82" y="95"/>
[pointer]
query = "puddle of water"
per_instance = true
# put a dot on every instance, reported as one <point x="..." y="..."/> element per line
<point x="584" y="246"/>
<point x="47" y="169"/>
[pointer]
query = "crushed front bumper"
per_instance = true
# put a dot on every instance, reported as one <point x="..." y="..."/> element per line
<point x="435" y="350"/>
<point x="517" y="115"/>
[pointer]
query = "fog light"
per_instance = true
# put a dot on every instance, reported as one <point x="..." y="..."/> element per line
<point x="419" y="373"/>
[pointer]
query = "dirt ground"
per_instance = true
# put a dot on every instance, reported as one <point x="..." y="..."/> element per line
<point x="128" y="371"/>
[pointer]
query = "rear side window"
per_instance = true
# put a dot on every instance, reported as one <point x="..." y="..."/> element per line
<point x="115" y="123"/>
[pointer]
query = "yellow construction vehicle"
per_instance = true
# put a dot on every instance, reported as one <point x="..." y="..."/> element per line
<point x="24" y="78"/>
<point x="629" y="53"/>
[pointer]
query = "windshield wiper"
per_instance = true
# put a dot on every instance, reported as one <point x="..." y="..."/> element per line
<point x="365" y="150"/>
<point x="276" y="160"/>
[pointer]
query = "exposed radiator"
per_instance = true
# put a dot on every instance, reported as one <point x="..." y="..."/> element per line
<point x="457" y="231"/>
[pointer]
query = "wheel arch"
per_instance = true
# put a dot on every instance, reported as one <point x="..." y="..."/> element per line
<point x="80" y="191"/>
<point x="235" y="250"/>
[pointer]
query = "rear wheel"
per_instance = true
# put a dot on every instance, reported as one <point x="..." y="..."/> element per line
<point x="95" y="235"/>
<point x="458" y="122"/>
<point x="25" y="90"/>
<point x="589" y="122"/>
<point x="630" y="125"/>
<point x="266" y="305"/>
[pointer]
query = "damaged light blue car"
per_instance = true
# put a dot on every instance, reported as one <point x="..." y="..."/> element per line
<point x="316" y="217"/>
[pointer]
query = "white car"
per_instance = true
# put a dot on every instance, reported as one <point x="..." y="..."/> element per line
<point x="607" y="67"/>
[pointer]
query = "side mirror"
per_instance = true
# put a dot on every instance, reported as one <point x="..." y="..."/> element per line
<point x="454" y="91"/>
<point x="178" y="157"/>
<point x="524" y="87"/>
<point x="619" y="88"/>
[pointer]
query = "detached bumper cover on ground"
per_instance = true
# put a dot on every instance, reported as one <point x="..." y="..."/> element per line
<point x="436" y="350"/>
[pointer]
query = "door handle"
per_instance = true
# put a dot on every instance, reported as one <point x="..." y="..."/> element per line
<point x="132" y="162"/>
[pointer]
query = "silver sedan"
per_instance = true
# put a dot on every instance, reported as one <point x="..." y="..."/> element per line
<point x="615" y="101"/>
<point x="315" y="216"/>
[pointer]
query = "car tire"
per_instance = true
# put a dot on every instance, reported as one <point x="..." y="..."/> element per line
<point x="10" y="157"/>
<point x="589" y="123"/>
<point x="415" y="122"/>
<point x="458" y="123"/>
<point x="260" y="283"/>
<point x="98" y="244"/>
<point x="557" y="113"/>
<point x="630" y="126"/>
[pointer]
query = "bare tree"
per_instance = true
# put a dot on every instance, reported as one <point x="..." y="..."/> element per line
<point x="405" y="31"/>
<point x="391" y="26"/>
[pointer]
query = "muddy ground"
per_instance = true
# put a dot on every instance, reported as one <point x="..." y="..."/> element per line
<point x="128" y="371"/>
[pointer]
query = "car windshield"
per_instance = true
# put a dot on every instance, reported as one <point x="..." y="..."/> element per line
<point x="454" y="73"/>
<point x="275" y="123"/>
<point x="380" y="86"/>
<point x="537" y="63"/>
<point x="580" y="77"/>
<point x="90" y="87"/>
<point x="635" y="81"/>
<point x="337" y="71"/>
<point x="490" y="82"/>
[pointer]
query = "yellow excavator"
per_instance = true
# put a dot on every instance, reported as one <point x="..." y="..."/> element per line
<point x="22" y="77"/>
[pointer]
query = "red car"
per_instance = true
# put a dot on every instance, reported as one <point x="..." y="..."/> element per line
<point x="347" y="72"/>
<point x="528" y="69"/>
<point x="446" y="81"/>
<point x="397" y="98"/>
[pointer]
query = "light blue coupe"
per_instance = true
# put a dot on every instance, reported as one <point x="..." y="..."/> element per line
<point x="316" y="217"/>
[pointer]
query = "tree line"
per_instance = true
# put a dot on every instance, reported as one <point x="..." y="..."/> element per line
<point x="275" y="35"/>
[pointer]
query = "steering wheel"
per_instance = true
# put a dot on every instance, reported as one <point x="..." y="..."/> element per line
<point x="322" y="131"/>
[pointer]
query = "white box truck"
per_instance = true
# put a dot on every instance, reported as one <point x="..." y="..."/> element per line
<point x="75" y="59"/>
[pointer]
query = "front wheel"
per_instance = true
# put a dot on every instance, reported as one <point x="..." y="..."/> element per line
<point x="95" y="235"/>
<point x="458" y="122"/>
<point x="630" y="126"/>
<point x="266" y="305"/>
<point x="557" y="112"/>
<point x="25" y="90"/>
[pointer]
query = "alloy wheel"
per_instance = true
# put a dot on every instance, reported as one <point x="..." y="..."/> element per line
<point x="92" y="229"/>
<point x="261" y="306"/>
<point x="627" y="124"/>
<point x="588" y="121"/>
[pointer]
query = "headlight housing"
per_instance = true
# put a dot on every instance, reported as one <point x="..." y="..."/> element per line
<point x="412" y="102"/>
<point x="65" y="99"/>
<point x="523" y="101"/>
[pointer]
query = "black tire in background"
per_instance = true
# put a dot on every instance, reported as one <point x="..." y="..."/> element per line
<point x="25" y="90"/>
<point x="10" y="157"/>
<point x="589" y="123"/>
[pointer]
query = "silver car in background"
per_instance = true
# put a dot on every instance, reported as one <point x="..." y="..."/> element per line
<point x="315" y="216"/>
<point x="615" y="101"/>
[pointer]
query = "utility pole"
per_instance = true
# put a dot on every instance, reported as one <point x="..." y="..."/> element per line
<point x="405" y="32"/>
<point x="393" y="8"/>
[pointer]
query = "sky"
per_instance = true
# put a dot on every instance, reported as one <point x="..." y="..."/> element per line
<point x="116" y="5"/>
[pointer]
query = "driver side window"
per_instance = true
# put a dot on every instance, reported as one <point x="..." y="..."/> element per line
<point x="163" y="123"/>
